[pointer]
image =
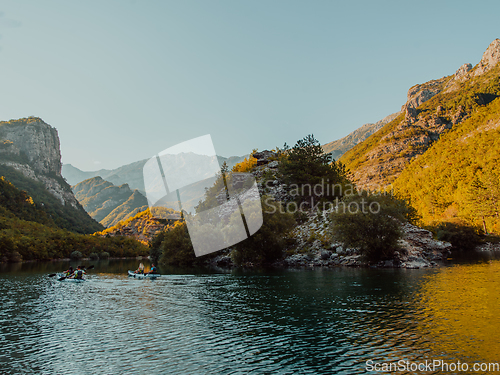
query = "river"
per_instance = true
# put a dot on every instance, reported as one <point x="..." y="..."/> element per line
<point x="328" y="321"/>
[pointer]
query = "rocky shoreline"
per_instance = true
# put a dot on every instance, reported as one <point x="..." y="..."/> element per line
<point x="418" y="250"/>
<point x="315" y="246"/>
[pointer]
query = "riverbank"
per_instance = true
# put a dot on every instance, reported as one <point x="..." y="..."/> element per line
<point x="316" y="248"/>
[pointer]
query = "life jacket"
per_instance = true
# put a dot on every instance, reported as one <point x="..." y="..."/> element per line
<point x="79" y="274"/>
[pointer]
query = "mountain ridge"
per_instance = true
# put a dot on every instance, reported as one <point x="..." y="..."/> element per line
<point x="107" y="203"/>
<point x="431" y="109"/>
<point x="341" y="146"/>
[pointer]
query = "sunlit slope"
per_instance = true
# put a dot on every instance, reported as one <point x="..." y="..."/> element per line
<point x="456" y="177"/>
<point x="433" y="109"/>
<point x="382" y="156"/>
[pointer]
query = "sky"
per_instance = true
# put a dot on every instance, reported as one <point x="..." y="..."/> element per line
<point x="123" y="80"/>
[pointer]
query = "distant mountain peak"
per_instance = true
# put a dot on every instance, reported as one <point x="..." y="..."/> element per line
<point x="340" y="146"/>
<point x="490" y="58"/>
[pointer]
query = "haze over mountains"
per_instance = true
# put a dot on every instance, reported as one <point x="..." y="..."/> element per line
<point x="130" y="174"/>
<point x="110" y="196"/>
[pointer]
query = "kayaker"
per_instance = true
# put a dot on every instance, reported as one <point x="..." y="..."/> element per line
<point x="69" y="271"/>
<point x="78" y="274"/>
<point x="140" y="269"/>
<point x="153" y="268"/>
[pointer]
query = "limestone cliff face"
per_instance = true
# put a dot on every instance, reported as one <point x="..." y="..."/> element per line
<point x="32" y="147"/>
<point x="490" y="58"/>
<point x="37" y="140"/>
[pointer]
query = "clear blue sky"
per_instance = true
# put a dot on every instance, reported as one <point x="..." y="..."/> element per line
<point x="123" y="80"/>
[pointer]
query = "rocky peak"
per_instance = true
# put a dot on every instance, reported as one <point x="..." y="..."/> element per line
<point x="264" y="157"/>
<point x="31" y="146"/>
<point x="462" y="72"/>
<point x="419" y="94"/>
<point x="36" y="140"/>
<point x="490" y="58"/>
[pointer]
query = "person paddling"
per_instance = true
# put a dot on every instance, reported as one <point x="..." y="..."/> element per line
<point x="140" y="269"/>
<point x="153" y="269"/>
<point x="69" y="271"/>
<point x="78" y="274"/>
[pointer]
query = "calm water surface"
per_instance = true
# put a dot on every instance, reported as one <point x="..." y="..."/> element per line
<point x="284" y="322"/>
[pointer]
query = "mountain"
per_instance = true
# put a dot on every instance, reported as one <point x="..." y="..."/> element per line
<point x="107" y="203"/>
<point x="143" y="226"/>
<point x="108" y="196"/>
<point x="432" y="109"/>
<point x="30" y="159"/>
<point x="40" y="219"/>
<point x="30" y="231"/>
<point x="341" y="146"/>
<point x="130" y="174"/>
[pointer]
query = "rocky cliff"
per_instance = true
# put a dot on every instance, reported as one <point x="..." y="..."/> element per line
<point x="431" y="109"/>
<point x="32" y="147"/>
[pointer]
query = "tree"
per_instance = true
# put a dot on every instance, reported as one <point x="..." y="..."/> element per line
<point x="371" y="223"/>
<point x="268" y="243"/>
<point x="482" y="198"/>
<point x="176" y="247"/>
<point x="310" y="173"/>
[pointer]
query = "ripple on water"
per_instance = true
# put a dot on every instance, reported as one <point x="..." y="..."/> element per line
<point x="311" y="322"/>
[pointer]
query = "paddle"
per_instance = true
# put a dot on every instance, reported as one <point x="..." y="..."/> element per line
<point x="65" y="277"/>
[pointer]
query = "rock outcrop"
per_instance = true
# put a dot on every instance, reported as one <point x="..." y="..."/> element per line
<point x="490" y="58"/>
<point x="32" y="147"/>
<point x="419" y="94"/>
<point x="316" y="246"/>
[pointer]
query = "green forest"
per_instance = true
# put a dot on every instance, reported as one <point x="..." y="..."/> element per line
<point x="38" y="227"/>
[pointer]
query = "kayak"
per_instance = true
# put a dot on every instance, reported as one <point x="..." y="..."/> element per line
<point x="61" y="277"/>
<point x="144" y="275"/>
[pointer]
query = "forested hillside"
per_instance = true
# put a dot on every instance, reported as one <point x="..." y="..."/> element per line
<point x="29" y="231"/>
<point x="107" y="203"/>
<point x="458" y="178"/>
<point x="63" y="216"/>
<point x="432" y="109"/>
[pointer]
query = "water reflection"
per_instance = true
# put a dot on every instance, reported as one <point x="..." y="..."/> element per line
<point x="197" y="321"/>
<point x="462" y="309"/>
